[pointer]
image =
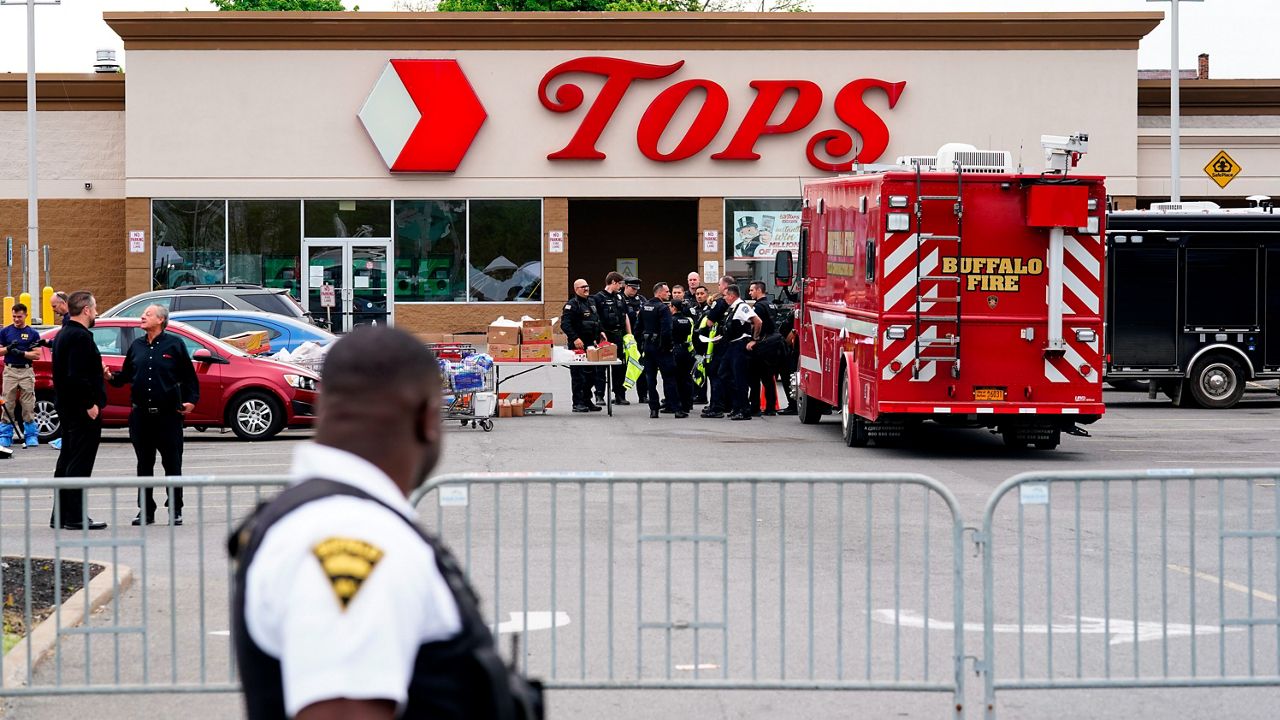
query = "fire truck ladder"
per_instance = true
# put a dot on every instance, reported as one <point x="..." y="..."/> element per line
<point x="944" y="345"/>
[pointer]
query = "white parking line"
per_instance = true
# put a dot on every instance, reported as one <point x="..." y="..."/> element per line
<point x="1225" y="583"/>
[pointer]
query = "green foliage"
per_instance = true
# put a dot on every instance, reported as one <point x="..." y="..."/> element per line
<point x="271" y="5"/>
<point x="606" y="5"/>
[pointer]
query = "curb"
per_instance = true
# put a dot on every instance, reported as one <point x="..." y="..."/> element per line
<point x="100" y="591"/>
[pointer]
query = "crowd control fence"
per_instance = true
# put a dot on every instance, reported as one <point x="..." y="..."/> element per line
<point x="668" y="581"/>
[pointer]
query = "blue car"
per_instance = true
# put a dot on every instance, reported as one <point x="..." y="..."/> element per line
<point x="282" y="332"/>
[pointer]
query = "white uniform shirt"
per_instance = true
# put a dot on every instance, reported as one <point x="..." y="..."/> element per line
<point x="742" y="313"/>
<point x="293" y="609"/>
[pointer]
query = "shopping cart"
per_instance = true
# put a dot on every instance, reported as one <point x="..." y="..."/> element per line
<point x="469" y="387"/>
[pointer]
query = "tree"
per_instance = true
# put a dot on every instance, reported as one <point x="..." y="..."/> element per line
<point x="328" y="5"/>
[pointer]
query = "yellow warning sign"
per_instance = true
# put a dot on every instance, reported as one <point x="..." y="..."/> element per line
<point x="1222" y="169"/>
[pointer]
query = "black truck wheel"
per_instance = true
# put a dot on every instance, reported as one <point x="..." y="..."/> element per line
<point x="1217" y="381"/>
<point x="852" y="427"/>
<point x="809" y="410"/>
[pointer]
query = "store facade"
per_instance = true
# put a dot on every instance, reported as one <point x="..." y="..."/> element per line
<point x="439" y="170"/>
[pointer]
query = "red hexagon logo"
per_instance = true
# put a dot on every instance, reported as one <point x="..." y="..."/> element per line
<point x="422" y="115"/>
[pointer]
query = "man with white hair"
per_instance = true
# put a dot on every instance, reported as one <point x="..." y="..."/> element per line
<point x="165" y="389"/>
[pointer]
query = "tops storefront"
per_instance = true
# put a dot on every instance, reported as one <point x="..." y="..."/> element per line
<point x="441" y="169"/>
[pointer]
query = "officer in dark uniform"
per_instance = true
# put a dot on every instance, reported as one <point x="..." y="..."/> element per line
<point x="581" y="325"/>
<point x="715" y="315"/>
<point x="351" y="610"/>
<point x="681" y="333"/>
<point x="762" y="368"/>
<point x="654" y="328"/>
<point x="698" y="310"/>
<point x="615" y="323"/>
<point x="634" y="300"/>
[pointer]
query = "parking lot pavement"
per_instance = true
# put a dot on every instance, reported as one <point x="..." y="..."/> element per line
<point x="1136" y="433"/>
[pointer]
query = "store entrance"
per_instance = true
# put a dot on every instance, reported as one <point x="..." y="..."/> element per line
<point x="355" y="275"/>
<point x="654" y="239"/>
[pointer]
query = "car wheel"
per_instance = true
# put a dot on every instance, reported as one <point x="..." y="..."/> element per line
<point x="255" y="415"/>
<point x="1217" y="382"/>
<point x="46" y="418"/>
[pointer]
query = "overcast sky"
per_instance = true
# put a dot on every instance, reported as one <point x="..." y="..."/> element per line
<point x="1240" y="35"/>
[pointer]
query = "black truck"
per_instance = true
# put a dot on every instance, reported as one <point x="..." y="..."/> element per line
<point x="1193" y="301"/>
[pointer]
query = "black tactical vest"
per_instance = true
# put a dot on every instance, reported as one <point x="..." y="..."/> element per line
<point x="461" y="677"/>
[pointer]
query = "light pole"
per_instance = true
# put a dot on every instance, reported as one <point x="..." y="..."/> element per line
<point x="1175" y="107"/>
<point x="33" y="195"/>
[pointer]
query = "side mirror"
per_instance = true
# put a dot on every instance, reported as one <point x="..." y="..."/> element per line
<point x="204" y="355"/>
<point x="782" y="272"/>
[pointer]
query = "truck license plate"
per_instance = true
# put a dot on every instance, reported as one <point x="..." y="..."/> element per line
<point x="988" y="393"/>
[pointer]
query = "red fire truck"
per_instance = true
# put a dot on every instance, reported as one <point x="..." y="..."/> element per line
<point x="953" y="289"/>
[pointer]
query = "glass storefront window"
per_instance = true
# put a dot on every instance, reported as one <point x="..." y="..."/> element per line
<point x="265" y="237"/>
<point x="431" y="250"/>
<point x="505" y="244"/>
<point x="757" y="229"/>
<point x="189" y="242"/>
<point x="348" y="218"/>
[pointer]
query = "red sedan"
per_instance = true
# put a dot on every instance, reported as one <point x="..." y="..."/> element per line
<point x="256" y="398"/>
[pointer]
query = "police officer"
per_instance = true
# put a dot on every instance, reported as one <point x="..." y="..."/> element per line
<point x="165" y="390"/>
<point x="615" y="323"/>
<point x="343" y="607"/>
<point x="762" y="368"/>
<point x="655" y="339"/>
<point x="634" y="300"/>
<point x="581" y="325"/>
<point x="741" y="332"/>
<point x="714" y="317"/>
<point x="681" y="340"/>
<point x="18" y="343"/>
<point x="698" y="310"/>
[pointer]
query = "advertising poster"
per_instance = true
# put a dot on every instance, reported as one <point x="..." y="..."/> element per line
<point x="760" y="235"/>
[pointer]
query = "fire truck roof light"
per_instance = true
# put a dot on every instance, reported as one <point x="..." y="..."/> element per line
<point x="897" y="201"/>
<point x="899" y="222"/>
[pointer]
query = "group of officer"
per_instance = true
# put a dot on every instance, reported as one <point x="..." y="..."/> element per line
<point x="691" y="339"/>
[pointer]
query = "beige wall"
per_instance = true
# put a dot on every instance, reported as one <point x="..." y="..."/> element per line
<point x="1256" y="149"/>
<point x="72" y="148"/>
<point x="283" y="123"/>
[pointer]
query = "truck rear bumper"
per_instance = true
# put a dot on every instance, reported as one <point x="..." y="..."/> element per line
<point x="1090" y="410"/>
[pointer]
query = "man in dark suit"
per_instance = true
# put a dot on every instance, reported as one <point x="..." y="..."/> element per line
<point x="81" y="395"/>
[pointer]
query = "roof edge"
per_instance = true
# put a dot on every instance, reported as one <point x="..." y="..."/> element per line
<point x="64" y="91"/>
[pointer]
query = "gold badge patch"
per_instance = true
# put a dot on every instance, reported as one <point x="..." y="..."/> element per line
<point x="348" y="563"/>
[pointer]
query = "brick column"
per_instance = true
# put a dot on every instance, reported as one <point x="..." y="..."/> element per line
<point x="555" y="265"/>
<point x="711" y="217"/>
<point x="137" y="266"/>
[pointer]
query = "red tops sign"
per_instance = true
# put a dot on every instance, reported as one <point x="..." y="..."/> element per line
<point x="423" y="114"/>
<point x="620" y="74"/>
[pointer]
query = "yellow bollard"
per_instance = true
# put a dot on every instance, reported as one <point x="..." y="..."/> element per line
<point x="25" y="299"/>
<point x="46" y="306"/>
<point x="8" y="310"/>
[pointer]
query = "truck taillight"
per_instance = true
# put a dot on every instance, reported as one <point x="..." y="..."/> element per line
<point x="1085" y="370"/>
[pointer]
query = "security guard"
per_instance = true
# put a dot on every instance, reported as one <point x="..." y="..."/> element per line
<point x="682" y="340"/>
<point x="634" y="300"/>
<point x="18" y="342"/>
<point x="343" y="607"/>
<point x="615" y="323"/>
<point x="655" y="341"/>
<point x="762" y="375"/>
<point x="581" y="325"/>
<point x="165" y="389"/>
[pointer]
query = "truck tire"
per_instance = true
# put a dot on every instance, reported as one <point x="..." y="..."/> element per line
<point x="1051" y="443"/>
<point x="853" y="428"/>
<point x="1217" y="381"/>
<point x="809" y="410"/>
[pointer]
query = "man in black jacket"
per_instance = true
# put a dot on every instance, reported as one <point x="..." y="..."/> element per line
<point x="81" y="395"/>
<point x="762" y="375"/>
<point x="581" y="325"/>
<point x="615" y="322"/>
<point x="165" y="389"/>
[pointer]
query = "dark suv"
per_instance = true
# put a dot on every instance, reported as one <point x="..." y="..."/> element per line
<point x="212" y="297"/>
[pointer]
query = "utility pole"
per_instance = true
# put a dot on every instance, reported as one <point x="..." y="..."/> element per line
<point x="33" y="194"/>
<point x="1175" y="104"/>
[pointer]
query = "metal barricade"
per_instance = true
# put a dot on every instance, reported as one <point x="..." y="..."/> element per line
<point x="152" y="613"/>
<point x="1187" y="561"/>
<point x="715" y="581"/>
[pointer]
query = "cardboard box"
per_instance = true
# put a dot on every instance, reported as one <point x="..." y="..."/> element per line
<point x="517" y="407"/>
<point x="504" y="409"/>
<point x="505" y="353"/>
<point x="536" y="353"/>
<point x="605" y="353"/>
<point x="535" y="335"/>
<point x="503" y="335"/>
<point x="250" y="341"/>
